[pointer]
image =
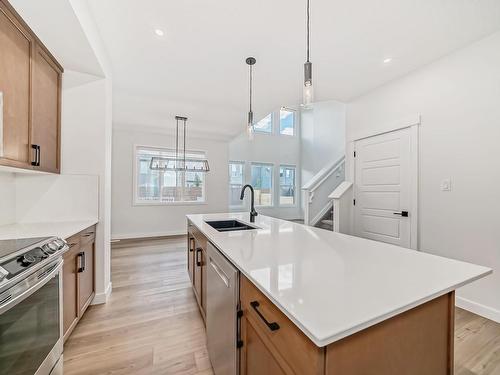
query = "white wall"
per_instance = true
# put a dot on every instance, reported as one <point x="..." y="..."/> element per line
<point x="458" y="98"/>
<point x="7" y="198"/>
<point x="273" y="149"/>
<point x="131" y="221"/>
<point x="322" y="136"/>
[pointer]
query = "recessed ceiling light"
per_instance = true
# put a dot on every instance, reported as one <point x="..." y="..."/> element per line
<point x="159" y="32"/>
<point x="387" y="60"/>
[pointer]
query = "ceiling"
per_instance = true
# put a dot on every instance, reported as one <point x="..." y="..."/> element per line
<point x="56" y="24"/>
<point x="198" y="67"/>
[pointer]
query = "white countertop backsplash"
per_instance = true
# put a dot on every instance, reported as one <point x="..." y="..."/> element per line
<point x="62" y="229"/>
<point x="329" y="284"/>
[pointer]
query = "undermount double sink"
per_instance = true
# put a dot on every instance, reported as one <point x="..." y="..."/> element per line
<point x="229" y="225"/>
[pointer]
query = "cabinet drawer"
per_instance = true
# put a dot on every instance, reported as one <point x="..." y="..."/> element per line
<point x="200" y="237"/>
<point x="88" y="235"/>
<point x="302" y="355"/>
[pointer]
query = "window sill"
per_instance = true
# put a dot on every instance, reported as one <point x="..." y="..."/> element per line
<point x="169" y="203"/>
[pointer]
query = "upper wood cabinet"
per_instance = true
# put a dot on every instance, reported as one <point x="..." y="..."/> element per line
<point x="46" y="110"/>
<point x="30" y="90"/>
<point x="16" y="46"/>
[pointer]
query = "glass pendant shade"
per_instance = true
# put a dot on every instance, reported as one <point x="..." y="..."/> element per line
<point x="159" y="163"/>
<point x="250" y="127"/>
<point x="308" y="94"/>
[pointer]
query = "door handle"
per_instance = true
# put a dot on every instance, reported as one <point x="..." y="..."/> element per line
<point x="273" y="326"/>
<point x="219" y="272"/>
<point x="402" y="213"/>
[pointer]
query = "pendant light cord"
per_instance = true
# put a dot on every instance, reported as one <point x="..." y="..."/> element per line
<point x="308" y="27"/>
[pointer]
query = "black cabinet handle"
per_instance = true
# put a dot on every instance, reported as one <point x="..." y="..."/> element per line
<point x="402" y="213"/>
<point x="273" y="326"/>
<point x="198" y="261"/>
<point x="39" y="156"/>
<point x="81" y="256"/>
<point x="191" y="244"/>
<point x="36" y="161"/>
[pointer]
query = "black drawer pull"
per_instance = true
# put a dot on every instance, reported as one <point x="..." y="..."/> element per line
<point x="273" y="326"/>
<point x="83" y="262"/>
<point x="198" y="261"/>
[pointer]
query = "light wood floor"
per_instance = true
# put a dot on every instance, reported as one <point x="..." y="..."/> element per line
<point x="151" y="323"/>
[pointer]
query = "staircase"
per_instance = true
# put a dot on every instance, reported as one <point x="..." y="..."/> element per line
<point x="318" y="207"/>
<point x="326" y="221"/>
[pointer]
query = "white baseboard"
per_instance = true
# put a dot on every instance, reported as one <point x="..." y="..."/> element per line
<point x="101" y="298"/>
<point x="479" y="309"/>
<point x="127" y="236"/>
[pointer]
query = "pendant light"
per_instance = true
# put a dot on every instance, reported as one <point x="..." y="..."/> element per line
<point x="308" y="92"/>
<point x="250" y="128"/>
<point x="179" y="163"/>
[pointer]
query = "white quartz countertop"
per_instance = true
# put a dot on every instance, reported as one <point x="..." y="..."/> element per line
<point x="62" y="229"/>
<point x="329" y="284"/>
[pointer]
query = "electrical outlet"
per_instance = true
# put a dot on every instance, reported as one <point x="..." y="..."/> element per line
<point x="446" y="184"/>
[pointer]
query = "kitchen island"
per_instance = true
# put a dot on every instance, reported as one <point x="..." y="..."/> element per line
<point x="343" y="305"/>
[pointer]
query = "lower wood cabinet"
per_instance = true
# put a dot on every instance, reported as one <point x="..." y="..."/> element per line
<point x="197" y="255"/>
<point x="78" y="278"/>
<point x="271" y="340"/>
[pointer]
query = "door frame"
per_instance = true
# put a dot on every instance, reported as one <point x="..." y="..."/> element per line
<point x="413" y="124"/>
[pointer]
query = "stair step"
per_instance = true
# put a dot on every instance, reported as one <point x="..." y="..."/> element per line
<point x="327" y="222"/>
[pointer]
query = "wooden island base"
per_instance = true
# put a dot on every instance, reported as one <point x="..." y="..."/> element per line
<point x="416" y="342"/>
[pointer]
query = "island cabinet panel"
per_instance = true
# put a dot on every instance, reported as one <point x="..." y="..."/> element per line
<point x="16" y="46"/>
<point x="197" y="248"/>
<point x="190" y="258"/>
<point x="416" y="342"/>
<point x="285" y="348"/>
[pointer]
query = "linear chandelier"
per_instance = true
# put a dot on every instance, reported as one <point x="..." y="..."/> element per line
<point x="179" y="163"/>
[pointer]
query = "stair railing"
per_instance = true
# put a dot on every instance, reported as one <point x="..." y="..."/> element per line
<point x="316" y="191"/>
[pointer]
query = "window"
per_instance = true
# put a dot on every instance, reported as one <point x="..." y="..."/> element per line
<point x="262" y="182"/>
<point x="287" y="185"/>
<point x="164" y="187"/>
<point x="265" y="125"/>
<point x="236" y="178"/>
<point x="287" y="121"/>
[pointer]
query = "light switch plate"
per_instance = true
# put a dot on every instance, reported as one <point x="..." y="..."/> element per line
<point x="446" y="184"/>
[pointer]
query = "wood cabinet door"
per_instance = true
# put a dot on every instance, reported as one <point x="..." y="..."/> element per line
<point x="46" y="110"/>
<point x="256" y="358"/>
<point x="16" y="48"/>
<point x="85" y="276"/>
<point x="70" y="289"/>
<point x="198" y="261"/>
<point x="204" y="259"/>
<point x="190" y="259"/>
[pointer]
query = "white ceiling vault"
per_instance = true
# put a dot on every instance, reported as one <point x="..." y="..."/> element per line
<point x="198" y="67"/>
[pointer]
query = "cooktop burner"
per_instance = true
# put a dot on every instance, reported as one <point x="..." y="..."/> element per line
<point x="11" y="246"/>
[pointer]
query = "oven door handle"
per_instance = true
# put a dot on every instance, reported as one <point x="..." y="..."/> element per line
<point x="44" y="277"/>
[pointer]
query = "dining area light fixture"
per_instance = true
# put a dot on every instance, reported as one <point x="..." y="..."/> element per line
<point x="250" y="125"/>
<point x="308" y="89"/>
<point x="179" y="163"/>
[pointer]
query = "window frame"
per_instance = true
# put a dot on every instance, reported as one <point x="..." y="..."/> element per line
<point x="294" y="204"/>
<point x="138" y="202"/>
<point x="255" y="130"/>
<point x="294" y="111"/>
<point x="257" y="163"/>
<point x="243" y="171"/>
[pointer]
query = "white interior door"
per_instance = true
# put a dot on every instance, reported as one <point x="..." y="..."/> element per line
<point x="382" y="188"/>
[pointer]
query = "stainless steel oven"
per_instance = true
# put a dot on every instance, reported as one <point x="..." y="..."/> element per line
<point x="31" y="320"/>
